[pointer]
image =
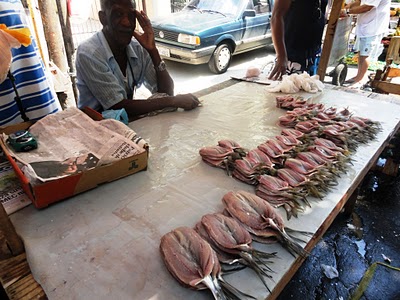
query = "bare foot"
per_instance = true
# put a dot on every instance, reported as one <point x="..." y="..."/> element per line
<point x="356" y="85"/>
<point x="350" y="81"/>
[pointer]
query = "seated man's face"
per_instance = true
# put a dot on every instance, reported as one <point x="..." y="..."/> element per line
<point x="119" y="22"/>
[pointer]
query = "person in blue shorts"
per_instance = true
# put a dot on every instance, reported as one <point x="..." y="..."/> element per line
<point x="372" y="24"/>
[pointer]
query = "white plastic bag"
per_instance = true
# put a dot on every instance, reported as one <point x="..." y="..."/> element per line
<point x="295" y="82"/>
<point x="287" y="85"/>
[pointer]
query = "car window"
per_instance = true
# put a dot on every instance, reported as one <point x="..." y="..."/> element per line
<point x="226" y="7"/>
<point x="261" y="6"/>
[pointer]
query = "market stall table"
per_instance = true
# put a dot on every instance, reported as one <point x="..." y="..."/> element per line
<point x="105" y="243"/>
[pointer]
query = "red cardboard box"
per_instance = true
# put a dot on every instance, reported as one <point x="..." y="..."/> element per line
<point x="52" y="191"/>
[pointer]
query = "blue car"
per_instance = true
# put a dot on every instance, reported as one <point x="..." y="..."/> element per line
<point x="209" y="31"/>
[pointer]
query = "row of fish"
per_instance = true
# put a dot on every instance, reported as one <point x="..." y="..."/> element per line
<point x="222" y="242"/>
<point x="312" y="150"/>
<point x="304" y="160"/>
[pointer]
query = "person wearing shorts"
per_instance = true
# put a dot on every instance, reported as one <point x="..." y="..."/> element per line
<point x="370" y="46"/>
<point x="372" y="24"/>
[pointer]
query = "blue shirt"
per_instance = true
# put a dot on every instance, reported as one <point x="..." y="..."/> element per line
<point x="100" y="81"/>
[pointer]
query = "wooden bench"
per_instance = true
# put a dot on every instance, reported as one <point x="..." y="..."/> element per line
<point x="15" y="273"/>
<point x="382" y="79"/>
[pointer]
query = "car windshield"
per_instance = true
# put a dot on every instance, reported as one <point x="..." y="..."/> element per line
<point x="226" y="7"/>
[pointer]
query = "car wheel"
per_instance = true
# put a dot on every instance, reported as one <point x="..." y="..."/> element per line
<point x="221" y="59"/>
<point x="339" y="74"/>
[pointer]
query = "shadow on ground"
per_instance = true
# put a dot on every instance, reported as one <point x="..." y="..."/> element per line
<point x="354" y="243"/>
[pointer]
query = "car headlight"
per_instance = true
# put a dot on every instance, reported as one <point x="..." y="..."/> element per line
<point x="188" y="39"/>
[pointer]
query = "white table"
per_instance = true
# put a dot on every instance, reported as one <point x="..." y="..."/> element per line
<point x="104" y="244"/>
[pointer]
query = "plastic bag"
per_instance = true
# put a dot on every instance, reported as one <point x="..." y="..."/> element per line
<point x="330" y="271"/>
<point x="295" y="82"/>
<point x="119" y="115"/>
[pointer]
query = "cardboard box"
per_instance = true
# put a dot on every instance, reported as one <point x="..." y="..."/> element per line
<point x="52" y="191"/>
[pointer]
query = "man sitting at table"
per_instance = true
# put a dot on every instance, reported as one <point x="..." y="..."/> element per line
<point x="111" y="65"/>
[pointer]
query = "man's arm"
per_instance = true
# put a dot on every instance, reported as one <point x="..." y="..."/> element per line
<point x="355" y="8"/>
<point x="281" y="7"/>
<point x="135" y="108"/>
<point x="98" y="78"/>
<point x="165" y="83"/>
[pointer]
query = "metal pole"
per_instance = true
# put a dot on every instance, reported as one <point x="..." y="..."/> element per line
<point x="17" y="98"/>
<point x="68" y="40"/>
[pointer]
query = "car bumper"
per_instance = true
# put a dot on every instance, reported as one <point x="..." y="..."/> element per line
<point x="184" y="55"/>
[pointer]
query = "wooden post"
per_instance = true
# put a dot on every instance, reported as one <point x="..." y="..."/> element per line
<point x="329" y="35"/>
<point x="10" y="243"/>
<point x="53" y="33"/>
<point x="144" y="6"/>
<point x="37" y="35"/>
<point x="55" y="43"/>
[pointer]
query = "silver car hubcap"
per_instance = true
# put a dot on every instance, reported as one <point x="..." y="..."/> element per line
<point x="224" y="57"/>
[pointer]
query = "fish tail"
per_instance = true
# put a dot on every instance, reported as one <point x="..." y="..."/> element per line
<point x="293" y="245"/>
<point x="290" y="230"/>
<point x="262" y="261"/>
<point x="263" y="255"/>
<point x="261" y="272"/>
<point x="233" y="292"/>
<point x="214" y="287"/>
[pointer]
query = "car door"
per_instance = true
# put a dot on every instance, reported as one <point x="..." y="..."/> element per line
<point x="257" y="29"/>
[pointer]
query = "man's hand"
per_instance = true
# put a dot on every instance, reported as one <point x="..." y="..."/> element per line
<point x="279" y="69"/>
<point x="145" y="38"/>
<point x="186" y="101"/>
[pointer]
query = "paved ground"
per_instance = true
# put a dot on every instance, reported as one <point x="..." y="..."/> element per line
<point x="191" y="78"/>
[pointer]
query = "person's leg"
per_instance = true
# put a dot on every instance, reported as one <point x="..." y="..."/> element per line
<point x="297" y="63"/>
<point x="366" y="46"/>
<point x="356" y="50"/>
<point x="363" y="64"/>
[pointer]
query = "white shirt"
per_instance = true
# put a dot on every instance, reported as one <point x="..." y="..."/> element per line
<point x="375" y="21"/>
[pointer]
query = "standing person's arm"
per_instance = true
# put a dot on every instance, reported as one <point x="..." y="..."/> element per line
<point x="281" y="7"/>
<point x="165" y="83"/>
<point x="355" y="8"/>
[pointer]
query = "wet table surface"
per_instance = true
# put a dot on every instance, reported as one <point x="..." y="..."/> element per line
<point x="105" y="242"/>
